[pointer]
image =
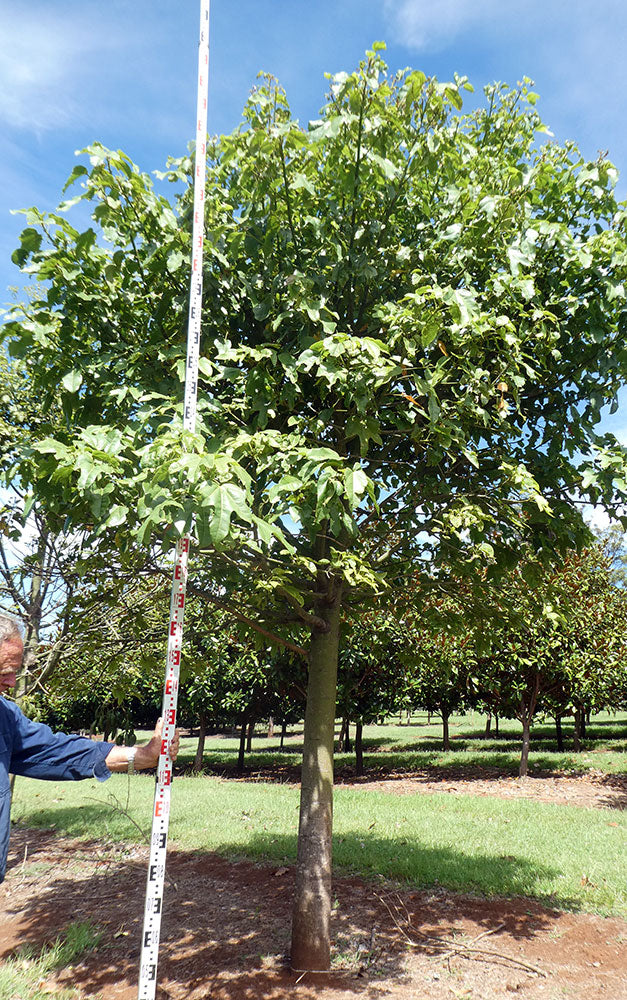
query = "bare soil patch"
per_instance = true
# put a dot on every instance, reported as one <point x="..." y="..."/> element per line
<point x="591" y="789"/>
<point x="226" y="925"/>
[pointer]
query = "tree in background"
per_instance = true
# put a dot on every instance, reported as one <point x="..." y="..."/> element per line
<point x="413" y="319"/>
<point x="373" y="658"/>
<point x="565" y="651"/>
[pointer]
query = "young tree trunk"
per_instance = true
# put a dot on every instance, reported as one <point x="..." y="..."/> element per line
<point x="559" y="735"/>
<point x="524" y="756"/>
<point x="359" y="752"/>
<point x="249" y="736"/>
<point x="283" y="733"/>
<point x="527" y="709"/>
<point x="347" y="736"/>
<point x="446" y="743"/>
<point x="270" y="728"/>
<point x="488" y="723"/>
<point x="584" y="722"/>
<point x="242" y="749"/>
<point x="200" y="749"/>
<point x="578" y="734"/>
<point x="311" y="945"/>
<point x="496" y="724"/>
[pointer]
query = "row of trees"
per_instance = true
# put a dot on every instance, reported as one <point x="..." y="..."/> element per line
<point x="413" y="318"/>
<point x="562" y="653"/>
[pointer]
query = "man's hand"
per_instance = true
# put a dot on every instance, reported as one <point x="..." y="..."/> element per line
<point x="148" y="754"/>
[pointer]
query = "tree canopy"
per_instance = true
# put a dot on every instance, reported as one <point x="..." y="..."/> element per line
<point x="413" y="316"/>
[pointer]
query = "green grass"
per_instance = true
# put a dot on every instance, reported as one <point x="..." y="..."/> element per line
<point x="568" y="856"/>
<point x="419" y="745"/>
<point x="24" y="976"/>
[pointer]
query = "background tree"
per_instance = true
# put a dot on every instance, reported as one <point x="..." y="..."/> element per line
<point x="564" y="653"/>
<point x="413" y="319"/>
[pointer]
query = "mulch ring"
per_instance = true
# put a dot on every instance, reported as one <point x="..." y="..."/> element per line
<point x="226" y="931"/>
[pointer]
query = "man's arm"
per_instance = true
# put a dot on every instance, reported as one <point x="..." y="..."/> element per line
<point x="146" y="756"/>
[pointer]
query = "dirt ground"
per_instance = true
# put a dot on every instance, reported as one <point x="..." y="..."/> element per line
<point x="224" y="933"/>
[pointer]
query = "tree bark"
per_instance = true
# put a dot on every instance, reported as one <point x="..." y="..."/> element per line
<point x="488" y="723"/>
<point x="311" y="945"/>
<point x="242" y="748"/>
<point x="527" y="710"/>
<point x="271" y="728"/>
<point x="200" y="749"/>
<point x="359" y="751"/>
<point x="446" y="743"/>
<point x="524" y="756"/>
<point x="249" y="736"/>
<point x="283" y="733"/>
<point x="558" y="733"/>
<point x="578" y="728"/>
<point x="496" y="724"/>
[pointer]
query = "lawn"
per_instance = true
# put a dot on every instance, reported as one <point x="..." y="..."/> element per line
<point x="567" y="856"/>
<point x="419" y="745"/>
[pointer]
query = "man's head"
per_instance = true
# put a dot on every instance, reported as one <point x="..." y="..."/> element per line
<point x="11" y="651"/>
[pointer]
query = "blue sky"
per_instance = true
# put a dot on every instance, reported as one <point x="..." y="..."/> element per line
<point x="123" y="72"/>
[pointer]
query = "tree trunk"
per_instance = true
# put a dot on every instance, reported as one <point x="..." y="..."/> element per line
<point x="347" y="736"/>
<point x="488" y="723"/>
<point x="242" y="749"/>
<point x="526" y="716"/>
<point x="200" y="749"/>
<point x="446" y="743"/>
<point x="584" y="721"/>
<point x="249" y="736"/>
<point x="524" y="756"/>
<point x="578" y="734"/>
<point x="283" y="733"/>
<point x="343" y="740"/>
<point x="270" y="728"/>
<point x="311" y="945"/>
<point x="359" y="751"/>
<point x="558" y="733"/>
<point x="496" y="724"/>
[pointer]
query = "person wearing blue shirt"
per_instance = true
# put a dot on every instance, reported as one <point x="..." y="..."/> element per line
<point x="35" y="751"/>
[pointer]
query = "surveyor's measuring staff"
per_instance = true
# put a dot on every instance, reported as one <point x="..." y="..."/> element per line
<point x="161" y="812"/>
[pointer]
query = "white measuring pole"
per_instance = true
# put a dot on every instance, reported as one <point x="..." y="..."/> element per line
<point x="161" y="811"/>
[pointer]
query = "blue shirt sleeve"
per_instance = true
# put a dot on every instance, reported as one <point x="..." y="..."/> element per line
<point x="37" y="752"/>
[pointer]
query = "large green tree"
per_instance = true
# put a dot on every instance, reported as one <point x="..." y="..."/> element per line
<point x="412" y="319"/>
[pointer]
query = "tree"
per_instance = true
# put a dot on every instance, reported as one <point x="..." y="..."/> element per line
<point x="565" y="653"/>
<point x="374" y="652"/>
<point x="412" y="320"/>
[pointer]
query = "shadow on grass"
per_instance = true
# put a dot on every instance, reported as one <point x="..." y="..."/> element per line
<point x="226" y="922"/>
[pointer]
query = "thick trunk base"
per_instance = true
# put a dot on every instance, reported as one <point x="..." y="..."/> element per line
<point x="311" y="944"/>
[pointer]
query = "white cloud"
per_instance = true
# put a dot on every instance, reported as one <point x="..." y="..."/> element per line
<point x="38" y="60"/>
<point x="50" y="59"/>
<point x="434" y="24"/>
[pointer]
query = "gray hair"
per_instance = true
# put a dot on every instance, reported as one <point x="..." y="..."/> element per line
<point x="10" y="627"/>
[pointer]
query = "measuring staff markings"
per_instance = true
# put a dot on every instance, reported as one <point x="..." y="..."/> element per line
<point x="161" y="813"/>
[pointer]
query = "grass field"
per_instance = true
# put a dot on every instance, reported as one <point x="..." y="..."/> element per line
<point x="419" y="745"/>
<point x="570" y="857"/>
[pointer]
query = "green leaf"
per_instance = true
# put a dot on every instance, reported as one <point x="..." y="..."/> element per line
<point x="355" y="484"/>
<point x="72" y="381"/>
